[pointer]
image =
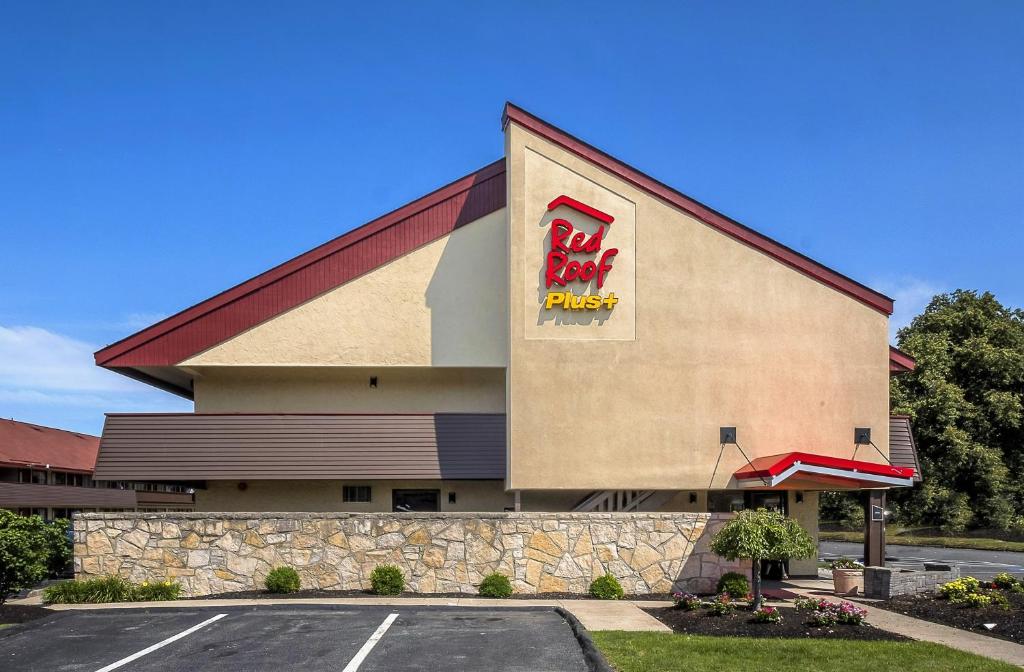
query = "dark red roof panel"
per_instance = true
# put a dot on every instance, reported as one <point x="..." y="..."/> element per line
<point x="900" y="362"/>
<point x="23" y="444"/>
<point x="334" y="263"/>
<point x="730" y="227"/>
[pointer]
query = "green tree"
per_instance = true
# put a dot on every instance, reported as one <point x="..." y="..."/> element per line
<point x="758" y="535"/>
<point x="965" y="401"/>
<point x="26" y="550"/>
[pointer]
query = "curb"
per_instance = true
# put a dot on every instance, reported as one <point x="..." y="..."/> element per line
<point x="596" y="661"/>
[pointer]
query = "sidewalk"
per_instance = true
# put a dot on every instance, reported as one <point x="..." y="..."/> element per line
<point x="915" y="628"/>
<point x="593" y="614"/>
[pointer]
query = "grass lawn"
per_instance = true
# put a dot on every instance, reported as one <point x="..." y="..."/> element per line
<point x="665" y="652"/>
<point x="979" y="543"/>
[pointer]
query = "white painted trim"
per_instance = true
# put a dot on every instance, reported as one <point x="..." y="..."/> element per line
<point x="773" y="481"/>
<point x="362" y="653"/>
<point x="160" y="645"/>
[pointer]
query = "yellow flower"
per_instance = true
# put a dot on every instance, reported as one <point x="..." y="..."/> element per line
<point x="145" y="583"/>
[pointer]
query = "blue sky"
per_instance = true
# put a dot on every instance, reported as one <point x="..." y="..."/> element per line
<point x="153" y="154"/>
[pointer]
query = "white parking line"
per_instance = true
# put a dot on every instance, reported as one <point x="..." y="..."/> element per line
<point x="362" y="653"/>
<point x="159" y="645"/>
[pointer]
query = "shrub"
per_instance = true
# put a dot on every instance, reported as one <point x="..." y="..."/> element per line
<point x="686" y="601"/>
<point x="846" y="563"/>
<point x="159" y="591"/>
<point x="1005" y="581"/>
<point x="387" y="580"/>
<point x="495" y="585"/>
<point x="767" y="615"/>
<point x="721" y="605"/>
<point x="27" y="551"/>
<point x="282" y="580"/>
<point x="109" y="589"/>
<point x="829" y="613"/>
<point x="734" y="584"/>
<point x="606" y="587"/>
<point x="958" y="590"/>
<point x="805" y="603"/>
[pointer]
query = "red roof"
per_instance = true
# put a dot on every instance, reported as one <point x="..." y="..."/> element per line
<point x="362" y="250"/>
<point x="717" y="220"/>
<point x="771" y="470"/>
<point x="308" y="275"/>
<point x="23" y="444"/>
<point x="900" y="362"/>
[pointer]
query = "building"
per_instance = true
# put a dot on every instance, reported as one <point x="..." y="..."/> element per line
<point x="555" y="331"/>
<point x="49" y="472"/>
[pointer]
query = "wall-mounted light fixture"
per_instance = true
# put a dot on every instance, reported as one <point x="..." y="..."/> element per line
<point x="799" y="497"/>
<point x="373" y="382"/>
<point x="693" y="498"/>
<point x="243" y="486"/>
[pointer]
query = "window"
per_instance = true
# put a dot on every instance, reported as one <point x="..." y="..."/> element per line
<point x="725" y="501"/>
<point x="355" y="493"/>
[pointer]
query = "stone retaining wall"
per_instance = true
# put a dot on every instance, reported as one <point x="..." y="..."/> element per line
<point x="439" y="553"/>
<point x="882" y="582"/>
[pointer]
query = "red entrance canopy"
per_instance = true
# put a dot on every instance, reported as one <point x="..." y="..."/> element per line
<point x="804" y="470"/>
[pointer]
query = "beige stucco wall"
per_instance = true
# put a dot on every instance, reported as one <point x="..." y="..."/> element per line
<point x="347" y="390"/>
<point x="724" y="336"/>
<point x="444" y="304"/>
<point x="325" y="495"/>
<point x="805" y="513"/>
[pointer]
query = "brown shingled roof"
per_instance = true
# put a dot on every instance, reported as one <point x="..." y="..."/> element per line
<point x="23" y="444"/>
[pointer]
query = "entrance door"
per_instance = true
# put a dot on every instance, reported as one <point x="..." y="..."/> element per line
<point x="415" y="500"/>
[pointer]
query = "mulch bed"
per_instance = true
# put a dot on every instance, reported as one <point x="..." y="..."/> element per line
<point x="22" y="613"/>
<point x="738" y="624"/>
<point x="310" y="593"/>
<point x="1009" y="623"/>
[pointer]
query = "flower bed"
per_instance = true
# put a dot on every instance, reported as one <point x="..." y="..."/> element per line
<point x="969" y="604"/>
<point x="743" y="623"/>
<point x="722" y="615"/>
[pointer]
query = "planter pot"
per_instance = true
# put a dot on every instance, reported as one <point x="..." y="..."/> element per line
<point x="848" y="581"/>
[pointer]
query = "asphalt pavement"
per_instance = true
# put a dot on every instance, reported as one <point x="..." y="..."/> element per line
<point x="311" y="638"/>
<point x="979" y="564"/>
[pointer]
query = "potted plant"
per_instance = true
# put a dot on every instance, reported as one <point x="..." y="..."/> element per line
<point x="847" y="576"/>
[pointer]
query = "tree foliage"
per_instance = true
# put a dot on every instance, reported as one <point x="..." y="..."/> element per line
<point x="966" y="402"/>
<point x="760" y="534"/>
<point x="29" y="548"/>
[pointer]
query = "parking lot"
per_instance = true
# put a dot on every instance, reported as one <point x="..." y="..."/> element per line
<point x="284" y="637"/>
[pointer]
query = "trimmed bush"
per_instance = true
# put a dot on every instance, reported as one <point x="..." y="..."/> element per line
<point x="606" y="587"/>
<point x="1005" y="581"/>
<point x="495" y="585"/>
<point x="282" y="580"/>
<point x="387" y="580"/>
<point x="29" y="549"/>
<point x="733" y="584"/>
<point x="109" y="589"/>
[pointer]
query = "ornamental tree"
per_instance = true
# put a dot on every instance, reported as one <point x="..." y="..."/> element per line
<point x="759" y="535"/>
<point x="28" y="548"/>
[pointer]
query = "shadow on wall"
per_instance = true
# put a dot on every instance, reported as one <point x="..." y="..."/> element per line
<point x="468" y="294"/>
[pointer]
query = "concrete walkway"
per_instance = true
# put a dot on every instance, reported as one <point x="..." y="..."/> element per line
<point x="593" y="614"/>
<point x="915" y="628"/>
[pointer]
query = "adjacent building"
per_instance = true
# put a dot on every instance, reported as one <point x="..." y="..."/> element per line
<point x="49" y="472"/>
<point x="555" y="331"/>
